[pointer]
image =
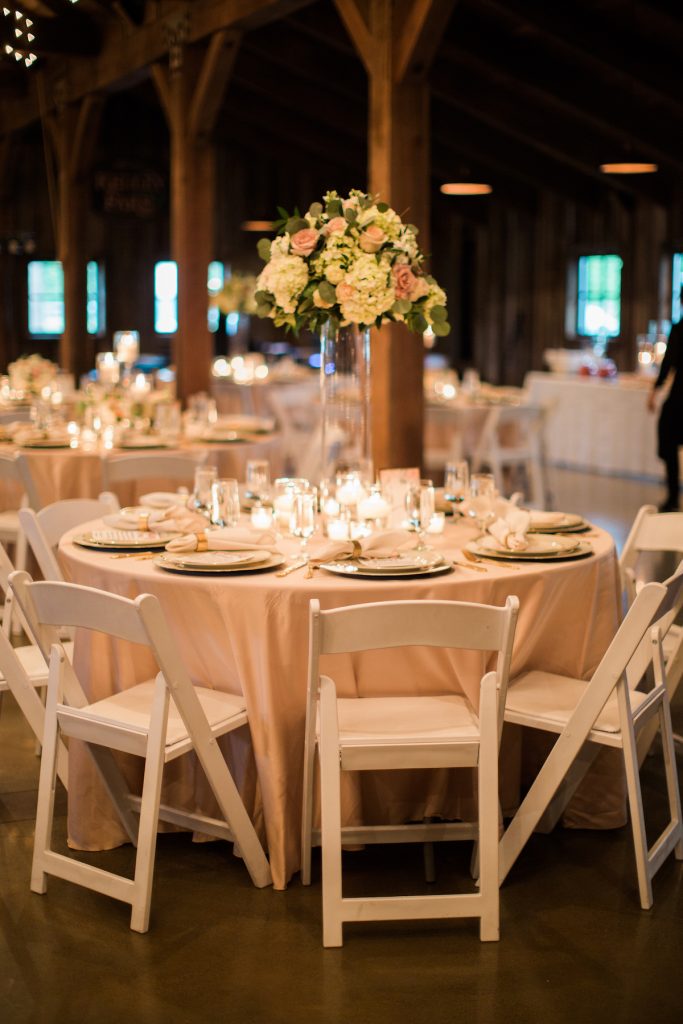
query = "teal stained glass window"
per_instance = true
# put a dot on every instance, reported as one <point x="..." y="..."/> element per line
<point x="598" y="307"/>
<point x="95" y="301"/>
<point x="676" y="285"/>
<point x="215" y="282"/>
<point x="45" y="297"/>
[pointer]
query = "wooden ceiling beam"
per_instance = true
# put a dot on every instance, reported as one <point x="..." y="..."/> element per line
<point x="126" y="51"/>
<point x="420" y="36"/>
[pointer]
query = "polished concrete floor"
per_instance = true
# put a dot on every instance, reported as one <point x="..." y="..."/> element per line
<point x="575" y="945"/>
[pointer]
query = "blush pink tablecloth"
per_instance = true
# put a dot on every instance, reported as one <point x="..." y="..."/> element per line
<point x="248" y="633"/>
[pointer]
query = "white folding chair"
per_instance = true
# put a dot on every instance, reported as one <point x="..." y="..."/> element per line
<point x="655" y="533"/>
<point x="608" y="711"/>
<point x="379" y="733"/>
<point x="44" y="529"/>
<point x="158" y="720"/>
<point x="512" y="438"/>
<point x="23" y="670"/>
<point x="10" y="529"/>
<point x="177" y="469"/>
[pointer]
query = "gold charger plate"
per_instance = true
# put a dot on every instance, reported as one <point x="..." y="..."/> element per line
<point x="350" y="567"/>
<point x="581" y="549"/>
<point x="175" y="563"/>
<point x="121" y="540"/>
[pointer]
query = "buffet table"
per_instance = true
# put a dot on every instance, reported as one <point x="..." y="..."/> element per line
<point x="595" y="424"/>
<point x="247" y="632"/>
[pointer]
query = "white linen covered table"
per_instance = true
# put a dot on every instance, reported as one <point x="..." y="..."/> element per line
<point x="248" y="633"/>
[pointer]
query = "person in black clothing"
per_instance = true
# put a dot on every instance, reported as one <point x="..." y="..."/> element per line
<point x="670" y="427"/>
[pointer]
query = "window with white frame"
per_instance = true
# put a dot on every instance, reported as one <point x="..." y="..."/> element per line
<point x="45" y="281"/>
<point x="165" y="297"/>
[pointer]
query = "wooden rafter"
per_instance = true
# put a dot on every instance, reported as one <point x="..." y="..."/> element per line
<point x="212" y="82"/>
<point x="420" y="36"/>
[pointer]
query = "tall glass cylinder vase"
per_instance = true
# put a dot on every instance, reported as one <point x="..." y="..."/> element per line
<point x="345" y="399"/>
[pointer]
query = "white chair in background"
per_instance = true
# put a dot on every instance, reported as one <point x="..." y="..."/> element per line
<point x="512" y="439"/>
<point x="44" y="529"/>
<point x="388" y="733"/>
<point x="605" y="711"/>
<point x="655" y="533"/>
<point x="177" y="469"/>
<point x="158" y="720"/>
<point x="10" y="529"/>
<point x="23" y="670"/>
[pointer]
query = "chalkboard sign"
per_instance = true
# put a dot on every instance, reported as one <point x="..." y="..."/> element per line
<point x="130" y="191"/>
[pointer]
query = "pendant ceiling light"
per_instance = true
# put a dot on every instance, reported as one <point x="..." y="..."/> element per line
<point x="257" y="225"/>
<point x="466" y="188"/>
<point x="628" y="167"/>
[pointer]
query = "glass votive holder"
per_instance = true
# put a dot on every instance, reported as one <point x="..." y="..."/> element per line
<point x="204" y="477"/>
<point x="261" y="516"/>
<point x="225" y="502"/>
<point x="374" y="509"/>
<point x="257" y="479"/>
<point x="437" y="523"/>
<point x="283" y="498"/>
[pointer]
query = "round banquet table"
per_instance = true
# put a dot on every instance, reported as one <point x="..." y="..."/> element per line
<point x="60" y="473"/>
<point x="247" y="632"/>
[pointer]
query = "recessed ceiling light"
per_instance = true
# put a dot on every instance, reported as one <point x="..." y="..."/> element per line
<point x="466" y="188"/>
<point x="257" y="225"/>
<point x="628" y="167"/>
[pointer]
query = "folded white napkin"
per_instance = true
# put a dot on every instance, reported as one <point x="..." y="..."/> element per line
<point x="175" y="519"/>
<point x="380" y="545"/>
<point x="227" y="538"/>
<point x="163" y="499"/>
<point x="510" y="528"/>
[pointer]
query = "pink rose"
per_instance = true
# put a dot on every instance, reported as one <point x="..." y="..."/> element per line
<point x="304" y="242"/>
<point x="372" y="239"/>
<point x="336" y="226"/>
<point x="420" y="289"/>
<point x="404" y="280"/>
<point x="345" y="292"/>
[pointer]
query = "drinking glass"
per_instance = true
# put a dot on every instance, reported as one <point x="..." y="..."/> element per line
<point x="168" y="420"/>
<point x="204" y="476"/>
<point x="482" y="496"/>
<point x="420" y="505"/>
<point x="302" y="522"/>
<point x="258" y="479"/>
<point x="456" y="481"/>
<point x="225" y="502"/>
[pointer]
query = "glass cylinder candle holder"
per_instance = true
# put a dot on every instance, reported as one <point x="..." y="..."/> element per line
<point x="283" y="499"/>
<point x="261" y="516"/>
<point x="127" y="347"/>
<point x="108" y="368"/>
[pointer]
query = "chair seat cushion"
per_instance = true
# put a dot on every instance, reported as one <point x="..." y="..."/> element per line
<point x="406" y="720"/>
<point x="33" y="663"/>
<point x="551" y="699"/>
<point x="133" y="707"/>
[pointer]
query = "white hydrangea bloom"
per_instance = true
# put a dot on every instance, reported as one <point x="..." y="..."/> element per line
<point x="285" y="278"/>
<point x="279" y="246"/>
<point x="366" y="291"/>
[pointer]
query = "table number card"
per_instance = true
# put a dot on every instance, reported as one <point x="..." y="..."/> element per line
<point x="395" y="484"/>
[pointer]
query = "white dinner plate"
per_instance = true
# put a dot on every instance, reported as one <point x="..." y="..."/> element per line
<point x="114" y="539"/>
<point x="408" y="561"/>
<point x="576" y="549"/>
<point x="548" y="522"/>
<point x="218" y="559"/>
<point x="143" y="442"/>
<point x="351" y="567"/>
<point x="178" y="563"/>
<point x="163" y="499"/>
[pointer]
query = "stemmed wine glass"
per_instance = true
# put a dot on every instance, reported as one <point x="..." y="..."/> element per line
<point x="420" y="505"/>
<point x="482" y="496"/>
<point x="302" y="522"/>
<point x="456" y="481"/>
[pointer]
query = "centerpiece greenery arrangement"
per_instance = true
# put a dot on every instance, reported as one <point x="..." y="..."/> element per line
<point x="237" y="295"/>
<point x="30" y="374"/>
<point x="347" y="261"/>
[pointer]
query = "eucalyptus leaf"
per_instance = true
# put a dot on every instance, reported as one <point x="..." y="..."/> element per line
<point x="334" y="208"/>
<point x="295" y="224"/>
<point x="264" y="297"/>
<point x="382" y="207"/>
<point x="351" y="215"/>
<point x="283" y="213"/>
<point x="263" y="249"/>
<point x="439" y="313"/>
<point x="441" y="328"/>
<point x="328" y="292"/>
<point x="419" y="324"/>
<point x="402" y="306"/>
<point x="315" y="209"/>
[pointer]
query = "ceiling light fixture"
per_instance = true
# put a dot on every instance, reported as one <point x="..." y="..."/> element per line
<point x="628" y="167"/>
<point x="466" y="188"/>
<point x="257" y="225"/>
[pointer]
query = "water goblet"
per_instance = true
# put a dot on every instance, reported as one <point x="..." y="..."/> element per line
<point x="456" y="481"/>
<point x="204" y="477"/>
<point x="482" y="496"/>
<point x="302" y="522"/>
<point x="225" y="502"/>
<point x="420" y="505"/>
<point x="257" y="479"/>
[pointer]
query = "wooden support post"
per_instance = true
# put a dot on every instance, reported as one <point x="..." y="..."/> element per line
<point x="396" y="43"/>
<point x="72" y="131"/>
<point x="6" y="349"/>
<point x="191" y="91"/>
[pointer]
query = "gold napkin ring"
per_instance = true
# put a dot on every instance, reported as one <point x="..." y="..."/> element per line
<point x="143" y="520"/>
<point x="202" y="542"/>
<point x="356" y="550"/>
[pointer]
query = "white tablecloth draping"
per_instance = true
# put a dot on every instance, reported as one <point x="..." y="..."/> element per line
<point x="598" y="425"/>
<point x="248" y="633"/>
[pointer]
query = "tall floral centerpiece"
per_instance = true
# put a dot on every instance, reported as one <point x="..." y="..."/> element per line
<point x="237" y="301"/>
<point x="343" y="267"/>
<point x="28" y="375"/>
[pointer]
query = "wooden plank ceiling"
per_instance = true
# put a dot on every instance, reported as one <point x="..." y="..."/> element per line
<point x="526" y="94"/>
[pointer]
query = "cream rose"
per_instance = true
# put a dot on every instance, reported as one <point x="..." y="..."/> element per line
<point x="334" y="273"/>
<point x="372" y="239"/>
<point x="304" y="242"/>
<point x="336" y="226"/>
<point x="345" y="292"/>
<point x="404" y="280"/>
<point x="420" y="289"/>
